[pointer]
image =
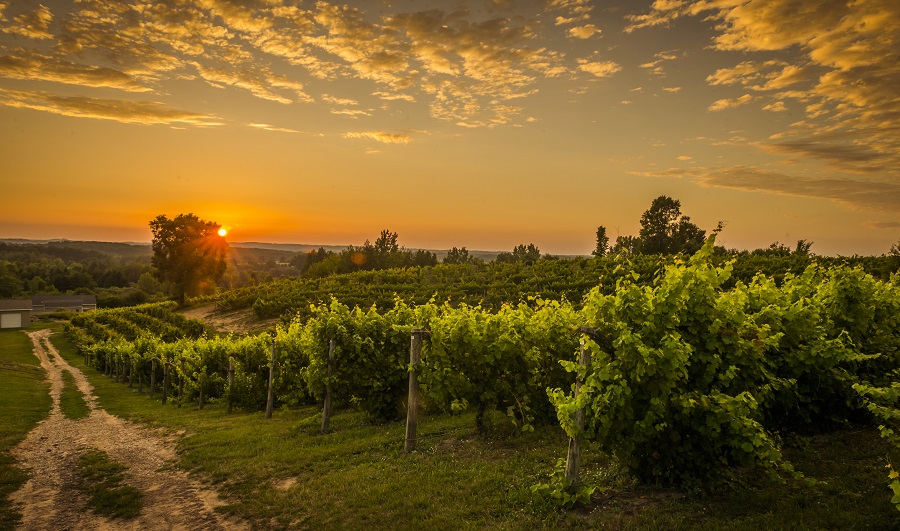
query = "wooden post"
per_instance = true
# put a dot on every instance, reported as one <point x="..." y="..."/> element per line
<point x="131" y="374"/>
<point x="270" y="401"/>
<point x="181" y="383"/>
<point x="201" y="381"/>
<point x="165" y="382"/>
<point x="573" y="458"/>
<point x="140" y="378"/>
<point x="230" y="382"/>
<point x="412" y="406"/>
<point x="152" y="376"/>
<point x="326" y="410"/>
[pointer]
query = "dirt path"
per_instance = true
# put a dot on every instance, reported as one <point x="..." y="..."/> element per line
<point x="50" y="501"/>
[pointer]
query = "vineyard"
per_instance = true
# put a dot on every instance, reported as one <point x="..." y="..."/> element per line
<point x="492" y="284"/>
<point x="698" y="368"/>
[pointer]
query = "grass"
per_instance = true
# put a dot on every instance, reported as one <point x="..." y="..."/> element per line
<point x="24" y="400"/>
<point x="71" y="401"/>
<point x="101" y="478"/>
<point x="281" y="473"/>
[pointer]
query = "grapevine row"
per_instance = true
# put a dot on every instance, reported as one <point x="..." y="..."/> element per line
<point x="692" y="374"/>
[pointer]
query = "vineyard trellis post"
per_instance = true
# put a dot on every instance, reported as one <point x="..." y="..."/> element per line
<point x="181" y="383"/>
<point x="201" y="381"/>
<point x="165" y="394"/>
<point x="326" y="409"/>
<point x="412" y="405"/>
<point x="230" y="384"/>
<point x="573" y="458"/>
<point x="152" y="376"/>
<point x="131" y="374"/>
<point x="270" y="400"/>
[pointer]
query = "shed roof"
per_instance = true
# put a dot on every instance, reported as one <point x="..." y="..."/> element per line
<point x="63" y="299"/>
<point x="11" y="304"/>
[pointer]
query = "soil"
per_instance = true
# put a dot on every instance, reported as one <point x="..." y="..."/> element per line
<point x="49" y="500"/>
<point x="235" y="321"/>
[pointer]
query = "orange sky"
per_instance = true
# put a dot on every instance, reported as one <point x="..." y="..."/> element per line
<point x="482" y="124"/>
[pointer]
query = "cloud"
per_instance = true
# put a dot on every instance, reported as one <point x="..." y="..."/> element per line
<point x="28" y="65"/>
<point x="125" y="111"/>
<point x="33" y="25"/>
<point x="858" y="194"/>
<point x="882" y="224"/>
<point x="672" y="89"/>
<point x="380" y="136"/>
<point x="267" y="127"/>
<point x="851" y="193"/>
<point x="583" y="32"/>
<point x="685" y="157"/>
<point x="853" y="158"/>
<point x="339" y="101"/>
<point x="656" y="67"/>
<point x="394" y="96"/>
<point x="719" y="105"/>
<point x="599" y="68"/>
<point x="838" y="59"/>
<point x="354" y="113"/>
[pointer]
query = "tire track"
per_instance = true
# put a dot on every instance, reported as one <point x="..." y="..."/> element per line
<point x="50" y="452"/>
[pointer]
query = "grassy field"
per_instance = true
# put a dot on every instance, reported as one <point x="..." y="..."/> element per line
<point x="24" y="400"/>
<point x="282" y="473"/>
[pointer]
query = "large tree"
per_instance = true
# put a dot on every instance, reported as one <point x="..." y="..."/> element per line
<point x="665" y="231"/>
<point x="187" y="253"/>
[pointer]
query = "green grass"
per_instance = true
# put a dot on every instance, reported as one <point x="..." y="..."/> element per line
<point x="101" y="478"/>
<point x="71" y="401"/>
<point x="24" y="400"/>
<point x="281" y="473"/>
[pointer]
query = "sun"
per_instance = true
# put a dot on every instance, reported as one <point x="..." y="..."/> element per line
<point x="222" y="232"/>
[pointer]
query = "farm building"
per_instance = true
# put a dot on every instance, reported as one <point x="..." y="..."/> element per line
<point x="74" y="303"/>
<point x="15" y="313"/>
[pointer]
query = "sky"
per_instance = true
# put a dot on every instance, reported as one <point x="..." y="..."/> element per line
<point x="483" y="124"/>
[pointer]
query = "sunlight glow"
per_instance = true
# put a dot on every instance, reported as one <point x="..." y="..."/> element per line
<point x="222" y="232"/>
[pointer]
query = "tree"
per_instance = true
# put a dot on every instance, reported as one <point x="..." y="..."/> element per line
<point x="521" y="253"/>
<point x="187" y="253"/>
<point x="803" y="247"/>
<point x="626" y="245"/>
<point x="602" y="242"/>
<point x="665" y="231"/>
<point x="459" y="256"/>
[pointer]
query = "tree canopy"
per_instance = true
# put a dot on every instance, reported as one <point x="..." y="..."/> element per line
<point x="188" y="253"/>
<point x="664" y="230"/>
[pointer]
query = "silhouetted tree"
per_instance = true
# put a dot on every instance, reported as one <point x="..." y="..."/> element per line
<point x="459" y="256"/>
<point x="626" y="245"/>
<point x="186" y="252"/>
<point x="521" y="253"/>
<point x="803" y="247"/>
<point x="665" y="231"/>
<point x="602" y="242"/>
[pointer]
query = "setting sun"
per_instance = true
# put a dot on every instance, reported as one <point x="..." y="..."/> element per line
<point x="222" y="232"/>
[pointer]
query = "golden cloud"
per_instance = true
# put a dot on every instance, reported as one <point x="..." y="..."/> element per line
<point x="838" y="59"/>
<point x="728" y="103"/>
<point x="380" y="136"/>
<point x="33" y="25"/>
<point x="125" y="111"/>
